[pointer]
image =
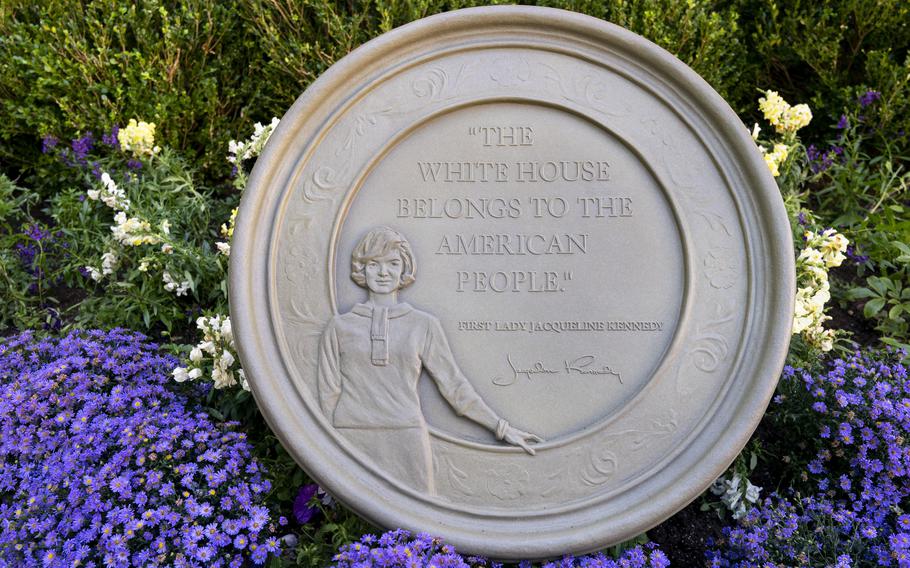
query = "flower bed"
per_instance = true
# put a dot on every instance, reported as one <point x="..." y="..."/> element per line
<point x="102" y="464"/>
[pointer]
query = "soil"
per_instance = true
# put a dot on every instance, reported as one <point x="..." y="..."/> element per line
<point x="684" y="536"/>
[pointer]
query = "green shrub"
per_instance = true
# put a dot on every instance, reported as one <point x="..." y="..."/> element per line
<point x="824" y="51"/>
<point x="67" y="67"/>
<point x="300" y="40"/>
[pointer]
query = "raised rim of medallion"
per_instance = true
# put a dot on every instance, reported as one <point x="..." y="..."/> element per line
<point x="684" y="475"/>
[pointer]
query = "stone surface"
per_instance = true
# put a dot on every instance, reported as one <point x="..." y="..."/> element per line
<point x="572" y="287"/>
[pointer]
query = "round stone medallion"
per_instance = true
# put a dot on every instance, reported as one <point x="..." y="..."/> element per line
<point x="515" y="277"/>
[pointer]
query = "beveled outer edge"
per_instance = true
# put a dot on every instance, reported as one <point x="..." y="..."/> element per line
<point x="771" y="276"/>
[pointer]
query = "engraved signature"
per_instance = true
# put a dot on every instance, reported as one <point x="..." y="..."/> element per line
<point x="584" y="365"/>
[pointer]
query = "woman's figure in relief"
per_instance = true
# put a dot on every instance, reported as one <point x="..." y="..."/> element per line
<point x="370" y="361"/>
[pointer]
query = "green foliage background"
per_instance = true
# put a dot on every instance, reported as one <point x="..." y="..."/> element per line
<point x="204" y="70"/>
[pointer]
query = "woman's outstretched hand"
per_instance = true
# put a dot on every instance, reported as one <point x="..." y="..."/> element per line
<point x="521" y="438"/>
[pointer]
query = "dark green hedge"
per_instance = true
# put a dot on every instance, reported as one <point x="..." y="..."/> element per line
<point x="204" y="70"/>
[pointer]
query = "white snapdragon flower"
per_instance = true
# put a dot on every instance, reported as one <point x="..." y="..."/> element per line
<point x="736" y="493"/>
<point x="811" y="256"/>
<point x="133" y="231"/>
<point x="216" y="350"/>
<point x="822" y="251"/>
<point x="226" y="331"/>
<point x="753" y="492"/>
<point x="110" y="195"/>
<point x="240" y="151"/>
<point x="180" y="374"/>
<point x="833" y="247"/>
<point x="172" y="285"/>
<point x="109" y="262"/>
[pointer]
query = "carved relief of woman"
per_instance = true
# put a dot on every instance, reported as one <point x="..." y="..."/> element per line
<point x="370" y="363"/>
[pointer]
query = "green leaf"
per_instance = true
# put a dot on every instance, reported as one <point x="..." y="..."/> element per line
<point x="895" y="311"/>
<point x="857" y="293"/>
<point x="895" y="343"/>
<point x="901" y="246"/>
<point x="879" y="284"/>
<point x="753" y="461"/>
<point x="873" y="306"/>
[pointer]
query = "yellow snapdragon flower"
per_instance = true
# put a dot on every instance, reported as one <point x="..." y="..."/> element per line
<point x="773" y="106"/>
<point x="781" y="115"/>
<point x="795" y="118"/>
<point x="138" y="138"/>
<point x="775" y="158"/>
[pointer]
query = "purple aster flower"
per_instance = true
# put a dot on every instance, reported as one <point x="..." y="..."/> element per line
<point x="240" y="541"/>
<point x="843" y="123"/>
<point x="400" y="549"/>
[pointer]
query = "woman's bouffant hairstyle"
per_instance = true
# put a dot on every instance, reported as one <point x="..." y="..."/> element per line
<point x="378" y="243"/>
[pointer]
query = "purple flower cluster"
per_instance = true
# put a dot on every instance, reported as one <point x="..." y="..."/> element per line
<point x="304" y="511"/>
<point x="859" y="474"/>
<point x="79" y="150"/>
<point x="82" y="150"/>
<point x="399" y="549"/>
<point x="102" y="465"/>
<point x="111" y="139"/>
<point x="855" y="257"/>
<point x="868" y="98"/>
<point x="821" y="160"/>
<point x="48" y="143"/>
<point x="38" y="242"/>
<point x="810" y="531"/>
<point x="863" y="411"/>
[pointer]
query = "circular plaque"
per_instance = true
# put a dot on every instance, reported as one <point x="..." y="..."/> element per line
<point x="515" y="277"/>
